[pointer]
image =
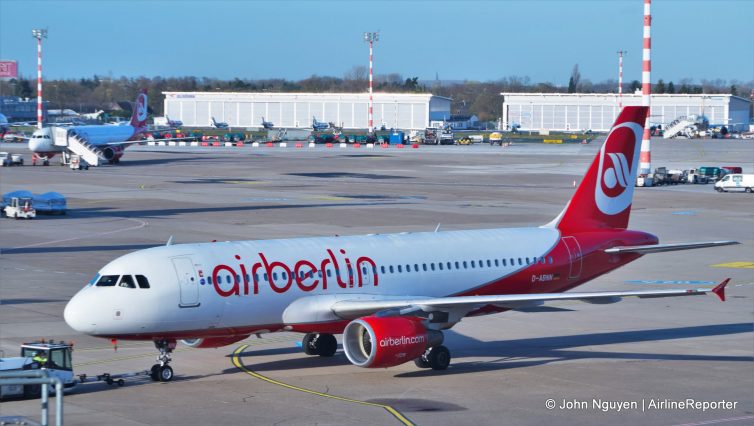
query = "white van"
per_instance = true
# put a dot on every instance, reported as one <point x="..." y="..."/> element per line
<point x="735" y="182"/>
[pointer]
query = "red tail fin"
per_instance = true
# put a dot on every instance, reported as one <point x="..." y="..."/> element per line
<point x="603" y="200"/>
<point x="139" y="115"/>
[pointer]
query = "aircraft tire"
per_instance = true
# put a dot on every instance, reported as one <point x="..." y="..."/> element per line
<point x="438" y="358"/>
<point x="421" y="362"/>
<point x="326" y="345"/>
<point x="166" y="373"/>
<point x="155" y="372"/>
<point x="306" y="343"/>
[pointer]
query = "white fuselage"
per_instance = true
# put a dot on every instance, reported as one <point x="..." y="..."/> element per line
<point x="44" y="140"/>
<point x="198" y="288"/>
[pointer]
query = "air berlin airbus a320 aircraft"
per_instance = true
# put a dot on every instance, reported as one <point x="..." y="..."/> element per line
<point x="389" y="295"/>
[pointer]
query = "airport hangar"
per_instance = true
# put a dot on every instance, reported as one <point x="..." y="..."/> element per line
<point x="295" y="110"/>
<point x="598" y="111"/>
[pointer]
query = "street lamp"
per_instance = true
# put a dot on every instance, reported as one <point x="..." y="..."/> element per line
<point x="39" y="34"/>
<point x="371" y="38"/>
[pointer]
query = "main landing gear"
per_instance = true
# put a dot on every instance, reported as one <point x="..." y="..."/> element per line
<point x="162" y="372"/>
<point x="436" y="358"/>
<point x="322" y="344"/>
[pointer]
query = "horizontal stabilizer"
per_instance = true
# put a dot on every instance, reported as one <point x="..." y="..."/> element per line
<point x="659" y="248"/>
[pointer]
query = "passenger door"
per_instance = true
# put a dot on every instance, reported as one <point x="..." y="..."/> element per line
<point x="574" y="252"/>
<point x="187" y="282"/>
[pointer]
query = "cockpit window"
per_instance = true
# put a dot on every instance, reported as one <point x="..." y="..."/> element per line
<point x="107" y="280"/>
<point x="143" y="281"/>
<point x="127" y="281"/>
<point x="94" y="280"/>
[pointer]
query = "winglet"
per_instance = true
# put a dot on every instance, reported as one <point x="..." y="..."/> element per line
<point x="719" y="290"/>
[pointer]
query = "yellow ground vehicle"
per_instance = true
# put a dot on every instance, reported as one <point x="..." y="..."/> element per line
<point x="464" y="141"/>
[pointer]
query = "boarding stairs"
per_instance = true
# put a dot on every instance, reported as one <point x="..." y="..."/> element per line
<point x="90" y="153"/>
<point x="677" y="126"/>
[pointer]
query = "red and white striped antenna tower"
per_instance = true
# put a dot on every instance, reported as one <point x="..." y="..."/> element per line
<point x="371" y="38"/>
<point x="620" y="77"/>
<point x="39" y="34"/>
<point x="645" y="156"/>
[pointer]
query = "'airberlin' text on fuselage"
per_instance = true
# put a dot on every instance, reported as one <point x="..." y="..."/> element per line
<point x="240" y="280"/>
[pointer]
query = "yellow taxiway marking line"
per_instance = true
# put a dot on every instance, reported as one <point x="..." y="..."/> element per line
<point x="237" y="362"/>
<point x="745" y="265"/>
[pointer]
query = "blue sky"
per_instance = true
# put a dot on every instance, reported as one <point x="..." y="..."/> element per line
<point x="458" y="40"/>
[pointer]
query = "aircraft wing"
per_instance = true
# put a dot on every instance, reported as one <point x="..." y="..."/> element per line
<point x="460" y="306"/>
<point x="140" y="141"/>
<point x="658" y="248"/>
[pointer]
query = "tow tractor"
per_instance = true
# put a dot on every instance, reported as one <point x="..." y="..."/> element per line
<point x="55" y="358"/>
<point x="20" y="207"/>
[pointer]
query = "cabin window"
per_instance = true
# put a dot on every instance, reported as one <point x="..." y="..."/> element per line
<point x="424" y="267"/>
<point x="283" y="275"/>
<point x="256" y="277"/>
<point x="227" y="279"/>
<point x="550" y="259"/>
<point x="416" y="267"/>
<point x="127" y="281"/>
<point x="489" y="263"/>
<point x="497" y="263"/>
<point x="432" y="266"/>
<point x="329" y="273"/>
<point x="465" y="265"/>
<point x="266" y="278"/>
<point x="143" y="281"/>
<point x="439" y="265"/>
<point x="382" y="268"/>
<point x="400" y="269"/>
<point x="408" y="268"/>
<point x="458" y="265"/>
<point x="473" y="264"/>
<point x="364" y="270"/>
<point x="481" y="264"/>
<point x="520" y="262"/>
<point x="504" y="262"/>
<point x="391" y="269"/>
<point x="107" y="280"/>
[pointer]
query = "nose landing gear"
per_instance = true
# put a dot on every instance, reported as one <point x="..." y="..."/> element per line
<point x="162" y="372"/>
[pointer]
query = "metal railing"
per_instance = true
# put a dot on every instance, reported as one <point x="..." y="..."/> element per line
<point x="39" y="377"/>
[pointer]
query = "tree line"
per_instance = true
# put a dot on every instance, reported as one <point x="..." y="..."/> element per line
<point x="469" y="97"/>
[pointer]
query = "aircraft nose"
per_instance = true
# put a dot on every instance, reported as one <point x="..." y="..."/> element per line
<point x="78" y="316"/>
<point x="34" y="145"/>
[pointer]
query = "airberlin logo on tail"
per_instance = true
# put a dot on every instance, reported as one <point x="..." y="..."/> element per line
<point x="619" y="161"/>
<point x="141" y="107"/>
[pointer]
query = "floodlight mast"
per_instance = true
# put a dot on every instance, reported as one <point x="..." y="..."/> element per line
<point x="39" y="34"/>
<point x="371" y="38"/>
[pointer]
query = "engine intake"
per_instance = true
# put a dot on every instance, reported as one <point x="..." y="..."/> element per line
<point x="213" y="342"/>
<point x="376" y="342"/>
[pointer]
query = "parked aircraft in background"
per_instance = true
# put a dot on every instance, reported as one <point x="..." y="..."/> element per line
<point x="391" y="296"/>
<point x="267" y="124"/>
<point x="173" y="124"/>
<point x="93" y="142"/>
<point x="219" y="125"/>
<point x="93" y="115"/>
<point x="319" y="126"/>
